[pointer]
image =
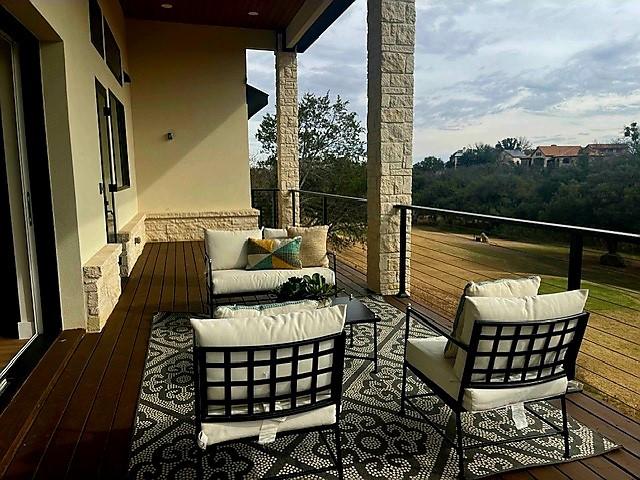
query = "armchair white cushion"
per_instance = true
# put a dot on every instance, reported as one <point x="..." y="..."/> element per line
<point x="427" y="356"/>
<point x="540" y="307"/>
<point x="504" y="287"/>
<point x="264" y="310"/>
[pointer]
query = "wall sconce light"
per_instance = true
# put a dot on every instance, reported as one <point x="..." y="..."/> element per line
<point x="170" y="135"/>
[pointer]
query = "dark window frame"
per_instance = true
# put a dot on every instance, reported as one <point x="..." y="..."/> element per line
<point x="96" y="20"/>
<point x="104" y="40"/>
<point x="119" y="146"/>
<point x="112" y="54"/>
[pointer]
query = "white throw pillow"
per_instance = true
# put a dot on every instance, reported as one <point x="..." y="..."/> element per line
<point x="504" y="287"/>
<point x="228" y="249"/>
<point x="278" y="309"/>
<point x="497" y="309"/>
<point x="275" y="233"/>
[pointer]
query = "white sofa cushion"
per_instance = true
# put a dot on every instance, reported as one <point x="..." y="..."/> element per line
<point x="228" y="249"/>
<point x="504" y="287"/>
<point x="540" y="307"/>
<point x="267" y="330"/>
<point x="427" y="356"/>
<point x="268" y="310"/>
<point x="275" y="233"/>
<point x="227" y="282"/>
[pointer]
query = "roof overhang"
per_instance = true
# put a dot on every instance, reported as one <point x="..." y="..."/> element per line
<point x="298" y="22"/>
<point x="313" y="19"/>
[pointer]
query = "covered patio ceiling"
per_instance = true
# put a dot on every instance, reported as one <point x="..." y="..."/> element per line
<point x="263" y="14"/>
<point x="302" y="21"/>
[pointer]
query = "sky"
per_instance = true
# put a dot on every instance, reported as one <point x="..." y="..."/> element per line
<point x="554" y="71"/>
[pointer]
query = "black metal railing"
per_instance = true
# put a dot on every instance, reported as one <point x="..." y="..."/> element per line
<point x="325" y="199"/>
<point x="576" y="235"/>
<point x="265" y="200"/>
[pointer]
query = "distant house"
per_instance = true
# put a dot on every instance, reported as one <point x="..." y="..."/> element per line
<point x="599" y="151"/>
<point x="454" y="159"/>
<point x="556" y="155"/>
<point x="515" y="157"/>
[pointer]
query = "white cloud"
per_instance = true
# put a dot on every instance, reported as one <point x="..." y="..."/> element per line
<point x="567" y="70"/>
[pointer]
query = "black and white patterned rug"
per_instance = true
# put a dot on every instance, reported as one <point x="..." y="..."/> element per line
<point x="377" y="442"/>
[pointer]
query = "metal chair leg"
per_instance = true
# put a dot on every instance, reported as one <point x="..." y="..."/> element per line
<point x="565" y="427"/>
<point x="336" y="432"/>
<point x="375" y="347"/>
<point x="460" y="448"/>
<point x="403" y="393"/>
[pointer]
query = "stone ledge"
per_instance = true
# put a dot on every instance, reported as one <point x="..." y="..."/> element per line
<point x="133" y="238"/>
<point x="189" y="226"/>
<point x="102" y="287"/>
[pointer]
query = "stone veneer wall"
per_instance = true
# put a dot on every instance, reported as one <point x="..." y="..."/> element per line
<point x="133" y="238"/>
<point x="391" y="46"/>
<point x="180" y="227"/>
<point x="287" y="135"/>
<point x="102" y="287"/>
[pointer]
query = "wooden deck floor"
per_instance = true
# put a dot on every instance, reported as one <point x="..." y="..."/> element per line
<point x="73" y="417"/>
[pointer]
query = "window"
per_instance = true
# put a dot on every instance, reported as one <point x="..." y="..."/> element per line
<point x="119" y="143"/>
<point x="102" y="38"/>
<point x="112" y="53"/>
<point x="95" y="25"/>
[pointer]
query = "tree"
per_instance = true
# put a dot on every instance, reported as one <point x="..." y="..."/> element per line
<point x="513" y="143"/>
<point x="327" y="131"/>
<point x="332" y="160"/>
<point x="429" y="164"/>
<point x="478" y="154"/>
<point x="632" y="136"/>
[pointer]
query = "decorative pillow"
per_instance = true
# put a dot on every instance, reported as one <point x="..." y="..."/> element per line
<point x="243" y="311"/>
<point x="228" y="249"/>
<point x="505" y="287"/>
<point x="540" y="307"/>
<point x="274" y="254"/>
<point x="314" y="245"/>
<point x="275" y="233"/>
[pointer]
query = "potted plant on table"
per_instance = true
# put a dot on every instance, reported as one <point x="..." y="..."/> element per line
<point x="314" y="287"/>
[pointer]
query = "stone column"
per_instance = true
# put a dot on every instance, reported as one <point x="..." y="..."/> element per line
<point x="287" y="134"/>
<point x="391" y="46"/>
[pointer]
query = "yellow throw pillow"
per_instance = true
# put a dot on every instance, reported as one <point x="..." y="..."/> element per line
<point x="313" y="251"/>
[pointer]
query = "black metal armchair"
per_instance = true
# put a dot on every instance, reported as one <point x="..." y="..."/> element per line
<point x="246" y="384"/>
<point x="506" y="363"/>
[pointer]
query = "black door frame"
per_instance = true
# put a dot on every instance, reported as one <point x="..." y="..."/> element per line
<point x="41" y="201"/>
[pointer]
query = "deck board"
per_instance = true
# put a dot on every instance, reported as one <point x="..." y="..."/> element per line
<point x="81" y="402"/>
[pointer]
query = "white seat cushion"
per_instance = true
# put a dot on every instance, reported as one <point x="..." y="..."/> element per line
<point x="262" y="310"/>
<point x="227" y="282"/>
<point x="427" y="356"/>
<point x="227" y="431"/>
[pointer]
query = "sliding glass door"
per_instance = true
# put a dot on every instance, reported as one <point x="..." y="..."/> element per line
<point x="23" y="321"/>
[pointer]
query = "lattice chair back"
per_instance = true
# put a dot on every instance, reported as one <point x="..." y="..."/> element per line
<point x="245" y="383"/>
<point x="517" y="354"/>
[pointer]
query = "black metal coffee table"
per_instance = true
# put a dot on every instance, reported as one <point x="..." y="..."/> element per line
<point x="359" y="314"/>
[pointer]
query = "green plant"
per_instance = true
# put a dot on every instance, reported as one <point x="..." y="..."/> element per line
<point x="313" y="287"/>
